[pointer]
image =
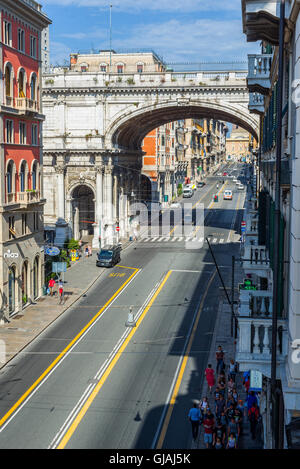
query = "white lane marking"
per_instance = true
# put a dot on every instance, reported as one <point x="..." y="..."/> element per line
<point x="65" y="356"/>
<point x="214" y="240"/>
<point x="154" y="239"/>
<point x="221" y="240"/>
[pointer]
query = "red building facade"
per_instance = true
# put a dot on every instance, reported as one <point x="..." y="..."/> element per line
<point x="21" y="194"/>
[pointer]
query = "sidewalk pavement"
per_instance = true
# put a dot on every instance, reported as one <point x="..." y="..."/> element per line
<point x="222" y="336"/>
<point x="24" y="327"/>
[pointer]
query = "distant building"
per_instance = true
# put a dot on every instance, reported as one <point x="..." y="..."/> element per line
<point x="237" y="145"/>
<point x="45" y="50"/>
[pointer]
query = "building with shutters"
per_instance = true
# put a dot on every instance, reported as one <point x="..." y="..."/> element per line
<point x="21" y="187"/>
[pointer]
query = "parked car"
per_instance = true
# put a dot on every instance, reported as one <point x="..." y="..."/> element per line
<point x="240" y="187"/>
<point x="109" y="256"/>
<point x="200" y="184"/>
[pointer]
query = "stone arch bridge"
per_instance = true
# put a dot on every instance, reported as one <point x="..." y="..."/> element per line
<point x="95" y="124"/>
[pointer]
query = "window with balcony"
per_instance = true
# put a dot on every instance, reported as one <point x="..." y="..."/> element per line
<point x="11" y="227"/>
<point x="23" y="173"/>
<point x="21" y="84"/>
<point x="33" y="46"/>
<point x="34" y="177"/>
<point x="34" y="134"/>
<point x="139" y="68"/>
<point x="9" y="131"/>
<point x="103" y="68"/>
<point x="8" y="83"/>
<point x="21" y="40"/>
<point x="7" y="36"/>
<point x="9" y="177"/>
<point x="33" y="88"/>
<point x="22" y="133"/>
<point x="120" y="68"/>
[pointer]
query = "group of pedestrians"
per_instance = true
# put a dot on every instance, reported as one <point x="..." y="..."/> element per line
<point x="60" y="287"/>
<point x="223" y="420"/>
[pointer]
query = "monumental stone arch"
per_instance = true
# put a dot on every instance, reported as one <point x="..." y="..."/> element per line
<point x="95" y="124"/>
<point x="130" y="127"/>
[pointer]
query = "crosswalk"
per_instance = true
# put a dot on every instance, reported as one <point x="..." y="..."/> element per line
<point x="181" y="239"/>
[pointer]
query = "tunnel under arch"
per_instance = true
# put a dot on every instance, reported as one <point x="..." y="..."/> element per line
<point x="129" y="129"/>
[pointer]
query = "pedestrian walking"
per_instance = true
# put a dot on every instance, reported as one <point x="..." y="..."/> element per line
<point x="51" y="285"/>
<point x="230" y="385"/>
<point x="61" y="292"/>
<point x="86" y="251"/>
<point x="220" y="406"/>
<point x="233" y="428"/>
<point x="220" y="359"/>
<point x="195" y="419"/>
<point x="232" y="370"/>
<point x="208" y="425"/>
<point x="219" y="433"/>
<point x="251" y="399"/>
<point x="253" y="415"/>
<point x="203" y="406"/>
<point x="210" y="377"/>
<point x="90" y="250"/>
<point x="80" y="246"/>
<point x="218" y="444"/>
<point x="231" y="443"/>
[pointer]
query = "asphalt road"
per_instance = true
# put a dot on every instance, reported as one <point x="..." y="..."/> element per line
<point x="91" y="382"/>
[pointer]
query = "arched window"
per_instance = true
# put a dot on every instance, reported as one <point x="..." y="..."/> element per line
<point x="9" y="178"/>
<point x="21" y="84"/>
<point x="103" y="67"/>
<point x="34" y="176"/>
<point x="33" y="88"/>
<point x="11" y="289"/>
<point x="23" y="176"/>
<point x="8" y="81"/>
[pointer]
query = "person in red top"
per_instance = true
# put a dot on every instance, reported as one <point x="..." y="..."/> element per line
<point x="210" y="376"/>
<point x="51" y="285"/>
<point x="253" y="415"/>
<point x="209" y="426"/>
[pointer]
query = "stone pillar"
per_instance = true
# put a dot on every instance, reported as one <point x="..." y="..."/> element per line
<point x="61" y="231"/>
<point x="98" y="208"/>
<point x="109" y="234"/>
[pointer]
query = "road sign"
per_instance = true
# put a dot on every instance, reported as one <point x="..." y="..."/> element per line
<point x="52" y="251"/>
<point x="58" y="267"/>
<point x="255" y="381"/>
<point x="117" y="228"/>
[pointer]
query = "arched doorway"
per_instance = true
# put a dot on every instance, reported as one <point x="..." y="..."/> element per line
<point x="24" y="283"/>
<point x="11" y="290"/>
<point x="36" y="278"/>
<point x="83" y="212"/>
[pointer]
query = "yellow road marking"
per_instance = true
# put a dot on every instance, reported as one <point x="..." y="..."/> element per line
<point x="182" y="369"/>
<point x="92" y="396"/>
<point x="61" y="355"/>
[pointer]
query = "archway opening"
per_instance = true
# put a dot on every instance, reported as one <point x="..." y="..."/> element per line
<point x="36" y="278"/>
<point x="83" y="208"/>
<point x="11" y="290"/>
<point x="24" y="283"/>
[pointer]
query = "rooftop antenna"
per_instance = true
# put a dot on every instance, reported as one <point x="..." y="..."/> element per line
<point x="110" y="8"/>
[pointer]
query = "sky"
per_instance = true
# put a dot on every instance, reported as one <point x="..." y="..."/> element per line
<point x="177" y="30"/>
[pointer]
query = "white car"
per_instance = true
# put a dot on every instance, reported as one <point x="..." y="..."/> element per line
<point x="240" y="187"/>
<point x="175" y="205"/>
<point x="227" y="195"/>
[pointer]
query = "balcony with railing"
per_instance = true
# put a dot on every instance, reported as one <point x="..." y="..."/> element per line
<point x="27" y="197"/>
<point x="26" y="105"/>
<point x="256" y="103"/>
<point x="255" y="332"/>
<point x="259" y="68"/>
<point x="256" y="260"/>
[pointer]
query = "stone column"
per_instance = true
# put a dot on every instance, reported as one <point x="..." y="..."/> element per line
<point x="61" y="231"/>
<point x="109" y="234"/>
<point x="98" y="208"/>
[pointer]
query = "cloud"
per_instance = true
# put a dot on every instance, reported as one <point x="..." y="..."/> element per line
<point x="154" y="5"/>
<point x="198" y="40"/>
<point x="59" y="53"/>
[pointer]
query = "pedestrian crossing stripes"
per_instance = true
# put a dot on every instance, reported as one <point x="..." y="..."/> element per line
<point x="179" y="239"/>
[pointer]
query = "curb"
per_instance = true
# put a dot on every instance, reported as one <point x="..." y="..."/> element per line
<point x="61" y="313"/>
